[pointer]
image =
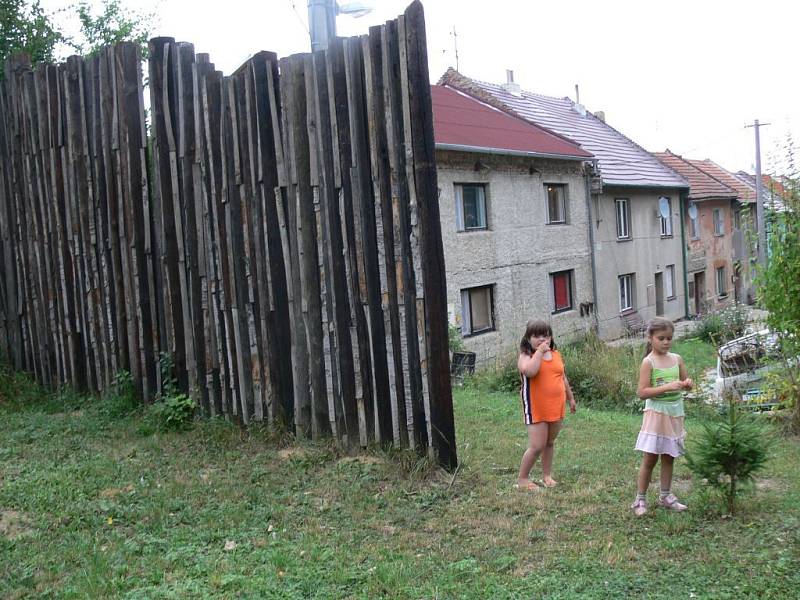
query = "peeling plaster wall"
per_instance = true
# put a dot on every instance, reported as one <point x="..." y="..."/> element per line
<point x="711" y="251"/>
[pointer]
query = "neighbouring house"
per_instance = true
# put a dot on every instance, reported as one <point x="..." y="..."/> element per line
<point x="709" y="235"/>
<point x="745" y="236"/>
<point x="634" y="207"/>
<point x="513" y="211"/>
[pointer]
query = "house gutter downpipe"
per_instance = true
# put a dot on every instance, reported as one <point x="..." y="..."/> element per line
<point x="590" y="224"/>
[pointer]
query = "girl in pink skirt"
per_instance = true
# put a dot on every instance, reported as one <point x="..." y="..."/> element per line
<point x="662" y="379"/>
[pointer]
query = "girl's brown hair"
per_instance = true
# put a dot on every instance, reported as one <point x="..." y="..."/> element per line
<point x="655" y="325"/>
<point x="536" y="327"/>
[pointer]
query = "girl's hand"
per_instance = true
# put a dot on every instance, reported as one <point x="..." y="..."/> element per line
<point x="688" y="383"/>
<point x="675" y="386"/>
<point x="544" y="346"/>
<point x="573" y="406"/>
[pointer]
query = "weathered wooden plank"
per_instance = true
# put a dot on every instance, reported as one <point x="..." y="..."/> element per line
<point x="292" y="95"/>
<point x="421" y="402"/>
<point x="271" y="164"/>
<point x="305" y="149"/>
<point x="364" y="210"/>
<point x="406" y="286"/>
<point x="441" y="401"/>
<point x="133" y="144"/>
<point x="381" y="174"/>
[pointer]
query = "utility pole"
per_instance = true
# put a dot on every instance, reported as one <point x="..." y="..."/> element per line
<point x="760" y="217"/>
<point x="322" y="19"/>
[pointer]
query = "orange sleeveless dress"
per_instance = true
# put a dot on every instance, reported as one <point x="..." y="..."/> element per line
<point x="544" y="396"/>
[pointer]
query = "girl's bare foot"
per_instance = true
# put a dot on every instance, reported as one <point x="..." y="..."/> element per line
<point x="549" y="482"/>
<point x="526" y="485"/>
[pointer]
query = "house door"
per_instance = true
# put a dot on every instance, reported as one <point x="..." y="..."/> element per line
<point x="699" y="291"/>
<point x="659" y="294"/>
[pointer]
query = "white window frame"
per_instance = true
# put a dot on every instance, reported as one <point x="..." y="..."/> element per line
<point x="666" y="222"/>
<point x="719" y="221"/>
<point x="570" y="273"/>
<point x="622" y="208"/>
<point x="720" y="278"/>
<point x="627" y="290"/>
<point x="563" y="203"/>
<point x="459" y="196"/>
<point x="466" y="310"/>
<point x="669" y="281"/>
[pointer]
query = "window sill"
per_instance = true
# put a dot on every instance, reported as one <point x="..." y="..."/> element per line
<point x="671" y="298"/>
<point x="627" y="311"/>
<point x="561" y="311"/>
<point x="666" y="237"/>
<point x="556" y="223"/>
<point x="475" y="230"/>
<point x="477" y="333"/>
<point x="625" y="239"/>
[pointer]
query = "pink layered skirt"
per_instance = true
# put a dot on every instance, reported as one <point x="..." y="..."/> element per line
<point x="662" y="429"/>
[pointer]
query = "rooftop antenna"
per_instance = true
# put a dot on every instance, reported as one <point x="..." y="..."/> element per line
<point x="455" y="44"/>
<point x="577" y="95"/>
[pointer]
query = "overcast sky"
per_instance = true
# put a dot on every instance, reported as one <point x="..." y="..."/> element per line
<point x="684" y="75"/>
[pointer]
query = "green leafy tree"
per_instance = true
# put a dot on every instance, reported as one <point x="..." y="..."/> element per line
<point x="25" y="27"/>
<point x="115" y="23"/>
<point x="779" y="283"/>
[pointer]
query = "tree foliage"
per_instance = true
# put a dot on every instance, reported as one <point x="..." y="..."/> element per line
<point x="730" y="452"/>
<point x="115" y="23"/>
<point x="25" y="27"/>
<point x="779" y="283"/>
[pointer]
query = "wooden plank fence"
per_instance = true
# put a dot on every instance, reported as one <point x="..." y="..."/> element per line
<point x="276" y="232"/>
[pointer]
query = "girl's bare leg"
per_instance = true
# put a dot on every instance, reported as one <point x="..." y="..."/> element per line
<point x="547" y="453"/>
<point x="646" y="471"/>
<point x="537" y="439"/>
<point x="667" y="463"/>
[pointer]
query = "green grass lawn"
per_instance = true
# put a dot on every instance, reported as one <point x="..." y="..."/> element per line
<point x="95" y="507"/>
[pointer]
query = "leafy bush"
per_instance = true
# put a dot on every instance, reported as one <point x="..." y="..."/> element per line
<point x="455" y="341"/>
<point x="503" y="376"/>
<point x="120" y="400"/>
<point x="173" y="410"/>
<point x="603" y="376"/>
<point x="722" y="325"/>
<point x="729" y="452"/>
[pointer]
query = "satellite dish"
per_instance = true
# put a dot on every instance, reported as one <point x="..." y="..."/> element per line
<point x="663" y="206"/>
<point x="692" y="211"/>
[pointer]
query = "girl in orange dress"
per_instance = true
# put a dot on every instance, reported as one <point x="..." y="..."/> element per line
<point x="544" y="392"/>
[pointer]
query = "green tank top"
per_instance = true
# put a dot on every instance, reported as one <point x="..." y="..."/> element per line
<point x="660" y="377"/>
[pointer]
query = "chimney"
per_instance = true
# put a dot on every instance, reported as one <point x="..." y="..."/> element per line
<point x="601" y="114"/>
<point x="509" y="85"/>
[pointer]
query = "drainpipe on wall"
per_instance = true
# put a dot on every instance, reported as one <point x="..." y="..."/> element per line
<point x="589" y="222"/>
<point x="684" y="199"/>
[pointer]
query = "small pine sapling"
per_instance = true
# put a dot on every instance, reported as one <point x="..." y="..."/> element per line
<point x="729" y="452"/>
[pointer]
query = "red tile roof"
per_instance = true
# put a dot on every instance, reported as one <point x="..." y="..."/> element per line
<point x="744" y="191"/>
<point x="702" y="186"/>
<point x="461" y="122"/>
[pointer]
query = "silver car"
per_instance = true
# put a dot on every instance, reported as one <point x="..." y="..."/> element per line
<point x="742" y="364"/>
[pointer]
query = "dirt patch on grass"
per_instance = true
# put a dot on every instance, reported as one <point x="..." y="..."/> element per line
<point x="770" y="485"/>
<point x="14" y="525"/>
<point x="364" y="459"/>
<point x="292" y="452"/>
<point x="114" y="492"/>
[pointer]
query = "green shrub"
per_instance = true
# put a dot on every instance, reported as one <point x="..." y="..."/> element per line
<point x="455" y="341"/>
<point x="729" y="452"/>
<point x="603" y="376"/>
<point x="173" y="413"/>
<point x="120" y="401"/>
<point x="173" y="410"/>
<point x="722" y="325"/>
<point x="503" y="376"/>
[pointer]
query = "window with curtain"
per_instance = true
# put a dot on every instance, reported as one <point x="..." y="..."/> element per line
<point x="623" y="211"/>
<point x="626" y="292"/>
<point x="477" y="310"/>
<point x="470" y="206"/>
<point x="556" y="203"/>
<point x="561" y="284"/>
